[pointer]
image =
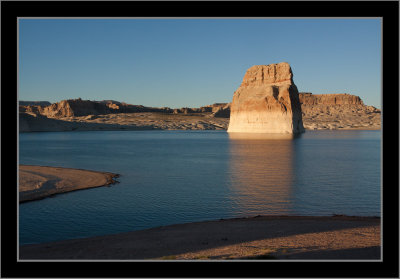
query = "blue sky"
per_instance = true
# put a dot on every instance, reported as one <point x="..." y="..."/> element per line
<point x="193" y="62"/>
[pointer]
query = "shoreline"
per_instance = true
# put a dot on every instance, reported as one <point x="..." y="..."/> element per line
<point x="39" y="182"/>
<point x="160" y="129"/>
<point x="248" y="238"/>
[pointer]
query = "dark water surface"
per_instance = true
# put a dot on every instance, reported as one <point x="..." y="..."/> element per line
<point x="170" y="177"/>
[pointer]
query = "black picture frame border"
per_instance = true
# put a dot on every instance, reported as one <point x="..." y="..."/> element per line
<point x="387" y="10"/>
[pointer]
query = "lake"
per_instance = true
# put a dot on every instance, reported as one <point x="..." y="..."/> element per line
<point x="170" y="177"/>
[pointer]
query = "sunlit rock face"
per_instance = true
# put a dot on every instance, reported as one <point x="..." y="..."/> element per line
<point x="267" y="101"/>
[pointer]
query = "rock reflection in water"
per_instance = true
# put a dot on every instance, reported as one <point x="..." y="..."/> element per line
<point x="261" y="168"/>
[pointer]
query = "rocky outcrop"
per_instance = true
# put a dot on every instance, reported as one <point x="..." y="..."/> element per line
<point x="217" y="110"/>
<point x="69" y="108"/>
<point x="267" y="101"/>
<point x="31" y="109"/>
<point x="76" y="107"/>
<point x="222" y="111"/>
<point x="185" y="110"/>
<point x="329" y="99"/>
<point x="79" y="107"/>
<point x="337" y="111"/>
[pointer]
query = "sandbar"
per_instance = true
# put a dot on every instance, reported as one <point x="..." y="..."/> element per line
<point x="38" y="182"/>
<point x="252" y="238"/>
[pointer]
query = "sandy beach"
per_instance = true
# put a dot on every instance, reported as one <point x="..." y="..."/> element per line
<point x="256" y="238"/>
<point x="37" y="182"/>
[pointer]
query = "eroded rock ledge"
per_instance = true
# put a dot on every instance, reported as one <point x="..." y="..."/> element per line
<point x="338" y="111"/>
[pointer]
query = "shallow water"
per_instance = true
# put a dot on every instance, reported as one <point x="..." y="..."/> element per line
<point x="170" y="177"/>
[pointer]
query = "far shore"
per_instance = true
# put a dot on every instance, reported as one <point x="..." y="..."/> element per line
<point x="335" y="237"/>
<point x="38" y="182"/>
<point x="162" y="121"/>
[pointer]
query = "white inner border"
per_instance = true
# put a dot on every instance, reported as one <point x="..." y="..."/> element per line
<point x="238" y="18"/>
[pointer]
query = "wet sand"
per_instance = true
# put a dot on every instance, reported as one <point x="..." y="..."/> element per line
<point x="256" y="238"/>
<point x="37" y="182"/>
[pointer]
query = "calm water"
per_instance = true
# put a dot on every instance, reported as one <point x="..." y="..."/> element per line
<point x="170" y="177"/>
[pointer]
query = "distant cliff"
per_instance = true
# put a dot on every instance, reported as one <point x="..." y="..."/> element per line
<point x="337" y="111"/>
<point x="329" y="99"/>
<point x="79" y="107"/>
<point x="217" y="110"/>
<point x="332" y="102"/>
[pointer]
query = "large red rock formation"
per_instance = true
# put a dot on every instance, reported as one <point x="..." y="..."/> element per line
<point x="267" y="101"/>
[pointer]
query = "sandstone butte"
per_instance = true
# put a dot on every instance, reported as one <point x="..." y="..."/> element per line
<point x="267" y="101"/>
